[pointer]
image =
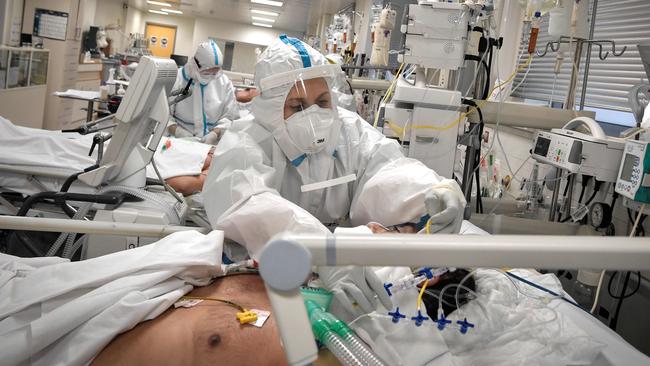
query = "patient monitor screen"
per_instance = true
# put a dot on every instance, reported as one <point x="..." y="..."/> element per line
<point x="628" y="165"/>
<point x="542" y="145"/>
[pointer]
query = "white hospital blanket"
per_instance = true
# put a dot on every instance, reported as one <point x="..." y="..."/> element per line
<point x="68" y="152"/>
<point x="81" y="94"/>
<point x="55" y="312"/>
<point x="510" y="329"/>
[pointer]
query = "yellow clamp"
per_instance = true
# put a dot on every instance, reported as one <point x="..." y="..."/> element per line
<point x="246" y="317"/>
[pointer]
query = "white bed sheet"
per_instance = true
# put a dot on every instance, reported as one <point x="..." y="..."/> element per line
<point x="67" y="153"/>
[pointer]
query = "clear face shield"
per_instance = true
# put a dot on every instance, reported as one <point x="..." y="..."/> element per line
<point x="310" y="114"/>
<point x="208" y="74"/>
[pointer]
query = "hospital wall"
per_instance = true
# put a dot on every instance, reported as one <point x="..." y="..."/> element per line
<point x="63" y="60"/>
<point x="236" y="32"/>
<point x="112" y="13"/>
<point x="137" y="20"/>
<point x="244" y="58"/>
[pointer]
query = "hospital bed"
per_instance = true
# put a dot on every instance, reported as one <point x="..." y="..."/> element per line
<point x="521" y="339"/>
<point x="388" y="250"/>
<point x="111" y="181"/>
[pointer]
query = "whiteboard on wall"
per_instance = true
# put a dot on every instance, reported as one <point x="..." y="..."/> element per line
<point x="50" y="24"/>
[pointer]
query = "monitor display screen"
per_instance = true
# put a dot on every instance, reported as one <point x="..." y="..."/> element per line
<point x="628" y="165"/>
<point x="541" y="146"/>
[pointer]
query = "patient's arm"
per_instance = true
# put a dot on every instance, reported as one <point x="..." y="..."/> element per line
<point x="190" y="184"/>
<point x="187" y="184"/>
<point x="206" y="334"/>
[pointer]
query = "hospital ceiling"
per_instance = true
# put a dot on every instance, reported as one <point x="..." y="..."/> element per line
<point x="294" y="15"/>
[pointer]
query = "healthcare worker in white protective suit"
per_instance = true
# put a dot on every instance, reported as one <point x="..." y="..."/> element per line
<point x="264" y="171"/>
<point x="212" y="103"/>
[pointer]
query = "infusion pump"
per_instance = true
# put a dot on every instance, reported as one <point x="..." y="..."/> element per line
<point x="633" y="177"/>
<point x="579" y="153"/>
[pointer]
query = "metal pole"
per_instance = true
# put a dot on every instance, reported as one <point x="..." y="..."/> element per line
<point x="91" y="227"/>
<point x="585" y="78"/>
<point x="575" y="70"/>
<point x="569" y="197"/>
<point x="492" y="251"/>
<point x="556" y="193"/>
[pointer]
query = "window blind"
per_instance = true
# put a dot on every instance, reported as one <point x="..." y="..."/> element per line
<point x="627" y="22"/>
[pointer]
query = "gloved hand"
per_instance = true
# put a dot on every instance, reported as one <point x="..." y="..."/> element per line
<point x="213" y="137"/>
<point x="445" y="204"/>
<point x="352" y="284"/>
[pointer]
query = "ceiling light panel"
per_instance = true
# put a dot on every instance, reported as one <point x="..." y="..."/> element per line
<point x="264" y="12"/>
<point x="159" y="3"/>
<point x="263" y="25"/>
<point x="261" y="19"/>
<point x="267" y="2"/>
<point x="158" y="12"/>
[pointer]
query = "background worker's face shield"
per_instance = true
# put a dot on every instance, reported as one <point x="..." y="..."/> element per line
<point x="208" y="74"/>
<point x="310" y="115"/>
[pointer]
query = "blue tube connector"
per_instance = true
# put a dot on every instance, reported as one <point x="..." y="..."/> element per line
<point x="464" y="325"/>
<point x="419" y="319"/>
<point x="396" y="315"/>
<point x="442" y="322"/>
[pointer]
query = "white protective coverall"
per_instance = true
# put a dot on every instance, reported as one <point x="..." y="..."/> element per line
<point x="253" y="187"/>
<point x="56" y="312"/>
<point x="213" y="96"/>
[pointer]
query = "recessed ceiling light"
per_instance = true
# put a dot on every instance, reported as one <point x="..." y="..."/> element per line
<point x="263" y="25"/>
<point x="263" y="19"/>
<point x="172" y="11"/>
<point x="160" y="3"/>
<point x="158" y="12"/>
<point x="267" y="2"/>
<point x="264" y="12"/>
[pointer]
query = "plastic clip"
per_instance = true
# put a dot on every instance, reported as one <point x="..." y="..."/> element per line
<point x="246" y="317"/>
<point x="387" y="287"/>
<point x="427" y="272"/>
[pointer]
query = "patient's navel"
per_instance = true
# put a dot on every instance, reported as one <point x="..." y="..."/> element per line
<point x="214" y="340"/>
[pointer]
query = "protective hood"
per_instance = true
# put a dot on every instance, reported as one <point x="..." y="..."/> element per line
<point x="207" y="56"/>
<point x="285" y="63"/>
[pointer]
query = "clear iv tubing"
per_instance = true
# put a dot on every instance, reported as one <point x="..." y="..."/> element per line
<point x="147" y="196"/>
<point x="359" y="348"/>
<point x="69" y="244"/>
<point x="81" y="212"/>
<point x="458" y="286"/>
<point x="340" y="349"/>
<point x="407" y="282"/>
<point x="539" y="298"/>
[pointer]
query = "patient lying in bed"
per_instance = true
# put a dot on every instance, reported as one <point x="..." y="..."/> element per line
<point x="205" y="334"/>
<point x="183" y="164"/>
